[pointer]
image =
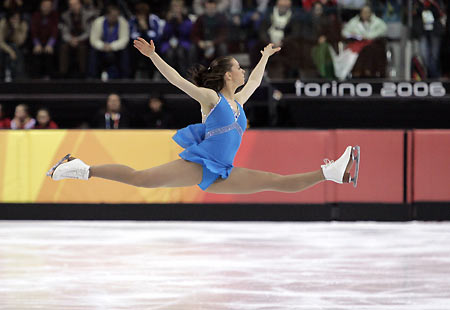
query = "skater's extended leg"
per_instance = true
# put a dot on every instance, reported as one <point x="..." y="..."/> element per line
<point x="181" y="173"/>
<point x="248" y="181"/>
<point x="176" y="173"/>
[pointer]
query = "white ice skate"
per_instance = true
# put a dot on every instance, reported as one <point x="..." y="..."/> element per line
<point x="74" y="168"/>
<point x="339" y="171"/>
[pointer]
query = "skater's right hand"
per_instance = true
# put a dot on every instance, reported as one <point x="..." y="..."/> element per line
<point x="269" y="50"/>
<point x="144" y="47"/>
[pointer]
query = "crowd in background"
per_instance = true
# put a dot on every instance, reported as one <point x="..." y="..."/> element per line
<point x="23" y="119"/>
<point x="88" y="39"/>
<point x="112" y="116"/>
<point x="93" y="39"/>
<point x="115" y="116"/>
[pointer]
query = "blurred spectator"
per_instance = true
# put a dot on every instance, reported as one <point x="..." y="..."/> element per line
<point x="75" y="26"/>
<point x="365" y="26"/>
<point x="113" y="117"/>
<point x="12" y="5"/>
<point x="44" y="120"/>
<point x="368" y="30"/>
<point x="109" y="38"/>
<point x="44" y="33"/>
<point x="5" y="123"/>
<point x="156" y="116"/>
<point x="176" y="42"/>
<point x="307" y="5"/>
<point x="236" y="35"/>
<point x="147" y="26"/>
<point x="350" y="8"/>
<point x="209" y="34"/>
<point x="92" y="7"/>
<point x="13" y="33"/>
<point x="158" y="7"/>
<point x="251" y="22"/>
<point x="389" y="10"/>
<point x="245" y="6"/>
<point x="199" y="8"/>
<point x="22" y="119"/>
<point x="445" y="53"/>
<point x="320" y="33"/>
<point x="428" y="28"/>
<point x="280" y="27"/>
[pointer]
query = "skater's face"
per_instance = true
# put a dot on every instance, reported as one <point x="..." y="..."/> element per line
<point x="237" y="74"/>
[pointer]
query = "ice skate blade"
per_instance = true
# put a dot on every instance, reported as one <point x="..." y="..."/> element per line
<point x="356" y="153"/>
<point x="52" y="169"/>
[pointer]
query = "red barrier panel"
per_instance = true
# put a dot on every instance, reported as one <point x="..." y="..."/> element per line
<point x="381" y="168"/>
<point x="431" y="181"/>
<point x="409" y="167"/>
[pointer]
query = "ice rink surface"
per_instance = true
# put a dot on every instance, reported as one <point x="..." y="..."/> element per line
<point x="206" y="265"/>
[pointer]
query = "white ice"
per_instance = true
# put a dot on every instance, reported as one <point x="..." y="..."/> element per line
<point x="213" y="265"/>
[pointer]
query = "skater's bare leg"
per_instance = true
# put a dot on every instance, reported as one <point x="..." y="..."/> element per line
<point x="172" y="174"/>
<point x="248" y="181"/>
<point x="183" y="173"/>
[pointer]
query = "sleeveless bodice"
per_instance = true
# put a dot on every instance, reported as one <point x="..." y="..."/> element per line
<point x="214" y="142"/>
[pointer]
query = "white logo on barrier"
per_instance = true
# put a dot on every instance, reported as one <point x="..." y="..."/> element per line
<point x="389" y="89"/>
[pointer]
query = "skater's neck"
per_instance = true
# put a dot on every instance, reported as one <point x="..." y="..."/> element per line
<point x="228" y="92"/>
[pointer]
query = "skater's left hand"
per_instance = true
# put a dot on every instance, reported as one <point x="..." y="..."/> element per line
<point x="144" y="47"/>
<point x="269" y="50"/>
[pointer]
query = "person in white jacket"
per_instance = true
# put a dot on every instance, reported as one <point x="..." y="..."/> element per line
<point x="369" y="30"/>
<point x="109" y="39"/>
<point x="365" y="26"/>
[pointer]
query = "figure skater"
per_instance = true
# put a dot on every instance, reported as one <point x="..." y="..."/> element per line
<point x="210" y="146"/>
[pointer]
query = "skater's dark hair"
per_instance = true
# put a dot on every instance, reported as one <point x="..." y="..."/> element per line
<point x="211" y="77"/>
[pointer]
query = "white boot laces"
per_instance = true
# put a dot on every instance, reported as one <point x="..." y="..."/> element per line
<point x="328" y="162"/>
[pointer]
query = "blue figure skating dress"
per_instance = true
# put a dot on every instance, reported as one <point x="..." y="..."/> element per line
<point x="214" y="142"/>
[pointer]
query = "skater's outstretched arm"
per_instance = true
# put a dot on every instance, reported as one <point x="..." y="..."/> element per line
<point x="201" y="94"/>
<point x="257" y="74"/>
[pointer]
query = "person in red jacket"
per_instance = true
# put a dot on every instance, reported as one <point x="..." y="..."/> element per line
<point x="44" y="120"/>
<point x="44" y="33"/>
<point x="5" y="123"/>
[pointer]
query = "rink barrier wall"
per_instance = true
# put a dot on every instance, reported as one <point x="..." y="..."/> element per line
<point x="430" y="211"/>
<point x="388" y="175"/>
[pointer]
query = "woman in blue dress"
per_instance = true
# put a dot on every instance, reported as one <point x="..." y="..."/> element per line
<point x="210" y="147"/>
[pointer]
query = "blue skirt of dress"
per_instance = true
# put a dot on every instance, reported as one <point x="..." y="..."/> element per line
<point x="198" y="150"/>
